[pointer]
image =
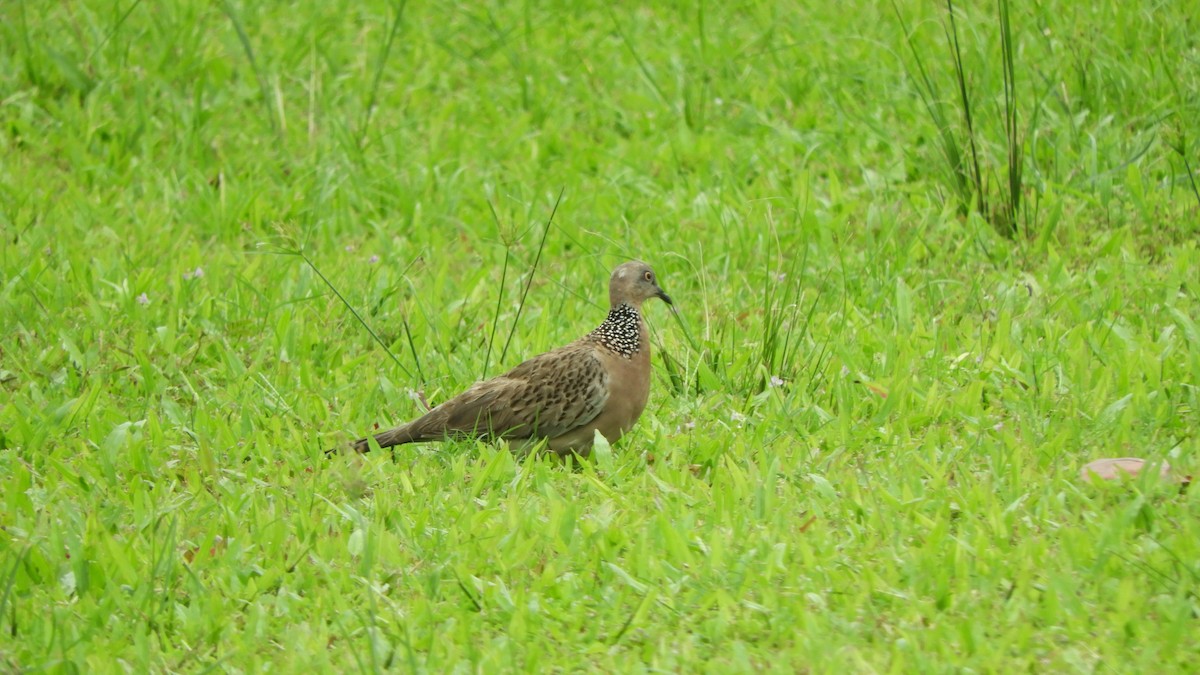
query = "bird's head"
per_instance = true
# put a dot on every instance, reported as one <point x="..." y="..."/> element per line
<point x="633" y="283"/>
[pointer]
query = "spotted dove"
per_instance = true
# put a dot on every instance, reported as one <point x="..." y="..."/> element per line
<point x="600" y="382"/>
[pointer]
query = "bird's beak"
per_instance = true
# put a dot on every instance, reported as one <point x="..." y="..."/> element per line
<point x="665" y="298"/>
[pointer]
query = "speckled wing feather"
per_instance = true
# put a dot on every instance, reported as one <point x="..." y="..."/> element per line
<point x="546" y="396"/>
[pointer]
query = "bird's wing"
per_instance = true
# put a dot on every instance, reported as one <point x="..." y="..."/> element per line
<point x="546" y="396"/>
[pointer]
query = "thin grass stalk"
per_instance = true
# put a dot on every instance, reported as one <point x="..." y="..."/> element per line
<point x="499" y="297"/>
<point x="770" y="330"/>
<point x="412" y="346"/>
<point x="1012" y="133"/>
<point x="1181" y="148"/>
<point x="658" y="91"/>
<point x="533" y="270"/>
<point x="342" y="298"/>
<point x="964" y="97"/>
<point x="372" y="100"/>
<point x="933" y="105"/>
<point x="9" y="580"/>
<point x="1187" y="166"/>
<point x="113" y="31"/>
<point x="795" y="284"/>
<point x="778" y="306"/>
<point x="260" y="76"/>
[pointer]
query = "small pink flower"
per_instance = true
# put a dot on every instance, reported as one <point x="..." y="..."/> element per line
<point x="373" y="259"/>
<point x="143" y="299"/>
<point x="776" y="381"/>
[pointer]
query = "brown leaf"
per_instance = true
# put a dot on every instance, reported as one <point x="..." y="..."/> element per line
<point x="1115" y="468"/>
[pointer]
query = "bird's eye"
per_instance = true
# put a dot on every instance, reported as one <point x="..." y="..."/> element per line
<point x="649" y="276"/>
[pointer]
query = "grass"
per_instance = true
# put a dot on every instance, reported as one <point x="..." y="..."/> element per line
<point x="866" y="421"/>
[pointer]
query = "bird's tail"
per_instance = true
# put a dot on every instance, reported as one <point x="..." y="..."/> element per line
<point x="398" y="436"/>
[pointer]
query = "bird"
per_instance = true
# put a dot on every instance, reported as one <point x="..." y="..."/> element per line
<point x="598" y="383"/>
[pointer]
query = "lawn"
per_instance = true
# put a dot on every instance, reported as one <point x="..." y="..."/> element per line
<point x="236" y="234"/>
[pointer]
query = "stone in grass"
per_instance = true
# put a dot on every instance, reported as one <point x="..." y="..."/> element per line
<point x="1127" y="467"/>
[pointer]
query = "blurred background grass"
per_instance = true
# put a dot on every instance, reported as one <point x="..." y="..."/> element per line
<point x="779" y="165"/>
